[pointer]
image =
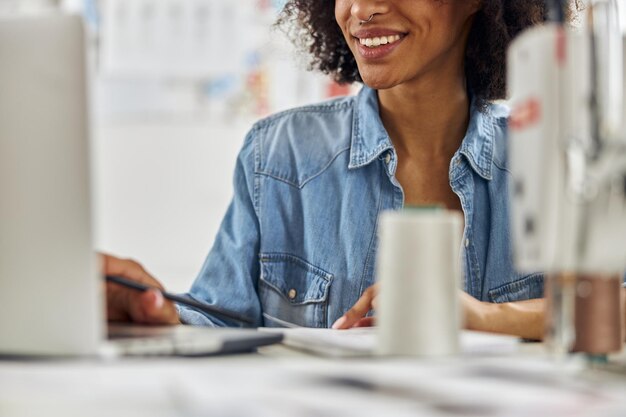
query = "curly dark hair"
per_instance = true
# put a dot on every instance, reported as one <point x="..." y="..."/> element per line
<point x="495" y="25"/>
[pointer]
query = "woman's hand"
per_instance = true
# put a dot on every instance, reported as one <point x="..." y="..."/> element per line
<point x="355" y="317"/>
<point x="127" y="305"/>
<point x="475" y="312"/>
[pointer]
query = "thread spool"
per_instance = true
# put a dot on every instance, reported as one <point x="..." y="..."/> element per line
<point x="419" y="273"/>
<point x="598" y="317"/>
<point x="584" y="314"/>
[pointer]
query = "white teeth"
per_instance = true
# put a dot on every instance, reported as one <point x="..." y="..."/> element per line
<point x="382" y="40"/>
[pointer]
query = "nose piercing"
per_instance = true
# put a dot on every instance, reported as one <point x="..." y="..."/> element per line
<point x="362" y="22"/>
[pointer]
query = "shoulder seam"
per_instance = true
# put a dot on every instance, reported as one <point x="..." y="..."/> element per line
<point x="338" y="104"/>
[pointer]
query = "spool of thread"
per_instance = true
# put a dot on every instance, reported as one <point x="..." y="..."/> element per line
<point x="419" y="273"/>
<point x="598" y="317"/>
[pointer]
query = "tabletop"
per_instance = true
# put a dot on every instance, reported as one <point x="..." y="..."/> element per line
<point x="281" y="381"/>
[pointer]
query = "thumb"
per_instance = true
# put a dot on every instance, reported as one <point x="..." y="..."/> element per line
<point x="152" y="308"/>
<point x="152" y="302"/>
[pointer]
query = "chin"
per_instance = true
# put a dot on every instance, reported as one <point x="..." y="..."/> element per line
<point x="379" y="84"/>
<point x="378" y="81"/>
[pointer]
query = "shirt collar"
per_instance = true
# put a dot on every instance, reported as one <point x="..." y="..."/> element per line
<point x="370" y="139"/>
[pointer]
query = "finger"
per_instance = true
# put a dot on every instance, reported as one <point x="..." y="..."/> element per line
<point x="128" y="268"/>
<point x="157" y="310"/>
<point x="366" y="322"/>
<point x="150" y="307"/>
<point x="357" y="312"/>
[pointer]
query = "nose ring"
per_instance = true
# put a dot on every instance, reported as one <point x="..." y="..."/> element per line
<point x="362" y="22"/>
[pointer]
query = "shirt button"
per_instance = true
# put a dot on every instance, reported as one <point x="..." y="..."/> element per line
<point x="457" y="162"/>
<point x="292" y="294"/>
<point x="388" y="158"/>
<point x="467" y="243"/>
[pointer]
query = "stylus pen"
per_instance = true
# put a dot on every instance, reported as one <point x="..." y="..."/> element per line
<point x="189" y="302"/>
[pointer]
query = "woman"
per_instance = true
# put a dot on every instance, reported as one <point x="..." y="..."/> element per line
<point x="298" y="243"/>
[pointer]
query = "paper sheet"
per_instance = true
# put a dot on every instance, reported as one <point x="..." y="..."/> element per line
<point x="362" y="341"/>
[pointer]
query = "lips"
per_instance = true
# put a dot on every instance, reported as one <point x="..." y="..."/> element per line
<point x="377" y="43"/>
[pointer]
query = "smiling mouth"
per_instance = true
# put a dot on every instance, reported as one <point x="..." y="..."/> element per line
<point x="379" y="41"/>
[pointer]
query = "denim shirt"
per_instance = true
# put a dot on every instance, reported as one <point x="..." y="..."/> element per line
<point x="298" y="243"/>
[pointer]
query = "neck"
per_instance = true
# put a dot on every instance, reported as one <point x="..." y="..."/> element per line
<point x="426" y="117"/>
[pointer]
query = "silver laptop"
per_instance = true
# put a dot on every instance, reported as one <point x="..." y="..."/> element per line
<point x="51" y="298"/>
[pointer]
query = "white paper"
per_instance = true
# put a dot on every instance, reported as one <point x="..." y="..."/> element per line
<point x="363" y="341"/>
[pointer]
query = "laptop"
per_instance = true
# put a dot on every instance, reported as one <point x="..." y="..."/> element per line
<point x="51" y="292"/>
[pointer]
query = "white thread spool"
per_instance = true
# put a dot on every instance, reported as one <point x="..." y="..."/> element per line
<point x="419" y="273"/>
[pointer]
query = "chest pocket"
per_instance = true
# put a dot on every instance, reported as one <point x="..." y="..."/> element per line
<point x="526" y="288"/>
<point x="293" y="292"/>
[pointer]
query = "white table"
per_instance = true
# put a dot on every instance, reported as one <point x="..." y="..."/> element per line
<point x="279" y="381"/>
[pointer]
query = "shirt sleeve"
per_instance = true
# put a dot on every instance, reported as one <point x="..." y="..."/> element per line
<point x="229" y="277"/>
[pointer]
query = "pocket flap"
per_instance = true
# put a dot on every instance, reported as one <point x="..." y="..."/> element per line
<point x="295" y="279"/>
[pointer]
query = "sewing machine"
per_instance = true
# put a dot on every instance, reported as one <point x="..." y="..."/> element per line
<point x="568" y="164"/>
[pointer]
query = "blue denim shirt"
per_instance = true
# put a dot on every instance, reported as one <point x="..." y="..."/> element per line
<point x="298" y="243"/>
